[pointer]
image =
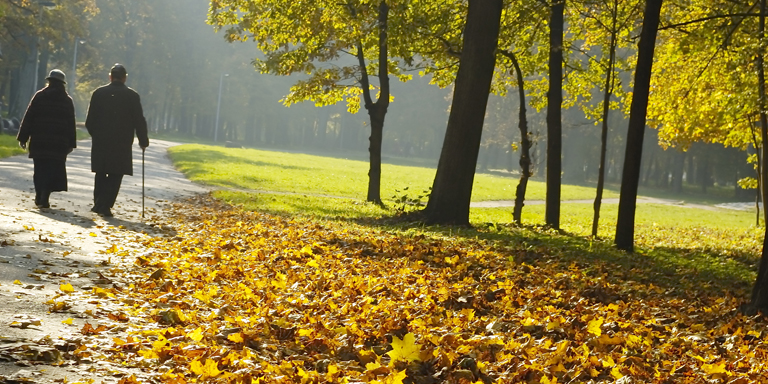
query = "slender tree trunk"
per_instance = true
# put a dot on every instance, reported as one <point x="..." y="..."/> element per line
<point x="554" y="120"/>
<point x="525" y="144"/>
<point x="604" y="130"/>
<point x="452" y="188"/>
<point x="625" y="225"/>
<point x="759" y="300"/>
<point x="378" y="110"/>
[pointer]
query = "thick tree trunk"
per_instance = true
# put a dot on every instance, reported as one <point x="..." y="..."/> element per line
<point x="525" y="144"/>
<point x="759" y="302"/>
<point x="452" y="188"/>
<point x="763" y="118"/>
<point x="625" y="225"/>
<point x="604" y="129"/>
<point x="554" y="120"/>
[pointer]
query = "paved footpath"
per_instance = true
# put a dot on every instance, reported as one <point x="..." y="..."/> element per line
<point x="40" y="249"/>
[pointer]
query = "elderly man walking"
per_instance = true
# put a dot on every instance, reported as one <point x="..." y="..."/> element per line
<point x="114" y="117"/>
<point x="49" y="126"/>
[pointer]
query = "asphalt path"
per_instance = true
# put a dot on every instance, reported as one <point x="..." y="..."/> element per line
<point x="40" y="249"/>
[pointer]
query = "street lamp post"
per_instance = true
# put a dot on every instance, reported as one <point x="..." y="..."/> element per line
<point x="36" y="54"/>
<point x="73" y="75"/>
<point x="218" y="108"/>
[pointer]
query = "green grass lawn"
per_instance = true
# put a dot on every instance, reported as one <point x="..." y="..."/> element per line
<point x="10" y="147"/>
<point x="301" y="173"/>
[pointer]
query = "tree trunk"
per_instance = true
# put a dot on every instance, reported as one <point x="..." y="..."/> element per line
<point x="604" y="129"/>
<point x="452" y="188"/>
<point x="625" y="224"/>
<point x="525" y="144"/>
<point x="759" y="300"/>
<point x="677" y="171"/>
<point x="377" y="111"/>
<point x="26" y="73"/>
<point x="42" y="67"/>
<point x="763" y="118"/>
<point x="554" y="121"/>
<point x="704" y="176"/>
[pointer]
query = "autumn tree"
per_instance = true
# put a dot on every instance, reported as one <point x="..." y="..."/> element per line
<point x="312" y="38"/>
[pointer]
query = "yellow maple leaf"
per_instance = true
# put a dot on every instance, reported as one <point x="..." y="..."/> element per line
<point x="67" y="288"/>
<point x="196" y="367"/>
<point x="17" y="282"/>
<point x="67" y="321"/>
<point x="235" y="337"/>
<point x="608" y="362"/>
<point x="716" y="370"/>
<point x="396" y="378"/>
<point x="210" y="369"/>
<point x="616" y="373"/>
<point x="405" y="349"/>
<point x="196" y="335"/>
<point x="594" y="327"/>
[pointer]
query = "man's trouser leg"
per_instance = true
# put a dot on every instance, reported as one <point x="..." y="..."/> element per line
<point x="105" y="190"/>
<point x="114" y="181"/>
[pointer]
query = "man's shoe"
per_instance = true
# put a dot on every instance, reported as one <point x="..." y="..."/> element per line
<point x="95" y="209"/>
<point x="105" y="212"/>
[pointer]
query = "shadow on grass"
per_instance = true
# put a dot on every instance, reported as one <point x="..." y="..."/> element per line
<point x="676" y="272"/>
<point x="682" y="273"/>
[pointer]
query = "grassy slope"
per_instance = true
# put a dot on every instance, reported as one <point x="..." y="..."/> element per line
<point x="291" y="172"/>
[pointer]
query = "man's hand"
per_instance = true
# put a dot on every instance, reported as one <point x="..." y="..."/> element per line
<point x="23" y="145"/>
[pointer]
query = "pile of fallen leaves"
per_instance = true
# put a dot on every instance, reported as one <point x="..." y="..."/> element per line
<point x="242" y="297"/>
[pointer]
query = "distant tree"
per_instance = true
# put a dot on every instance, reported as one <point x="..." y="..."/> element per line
<point x="525" y="142"/>
<point x="625" y="226"/>
<point x="602" y="27"/>
<point x="452" y="188"/>
<point x="27" y="29"/>
<point x="310" y="37"/>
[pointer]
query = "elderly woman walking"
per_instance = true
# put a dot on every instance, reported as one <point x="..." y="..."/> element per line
<point x="49" y="126"/>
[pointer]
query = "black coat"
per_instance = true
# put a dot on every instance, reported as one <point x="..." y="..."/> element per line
<point x="114" y="117"/>
<point x="49" y="124"/>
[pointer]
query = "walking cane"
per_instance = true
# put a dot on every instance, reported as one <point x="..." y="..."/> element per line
<point x="142" y="182"/>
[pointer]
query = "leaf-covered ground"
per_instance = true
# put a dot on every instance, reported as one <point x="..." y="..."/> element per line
<point x="243" y="297"/>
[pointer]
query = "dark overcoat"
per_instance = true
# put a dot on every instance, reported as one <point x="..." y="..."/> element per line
<point x="49" y="124"/>
<point x="114" y="117"/>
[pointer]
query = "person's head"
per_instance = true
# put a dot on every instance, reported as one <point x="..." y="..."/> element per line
<point x="118" y="73"/>
<point x="56" y="77"/>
